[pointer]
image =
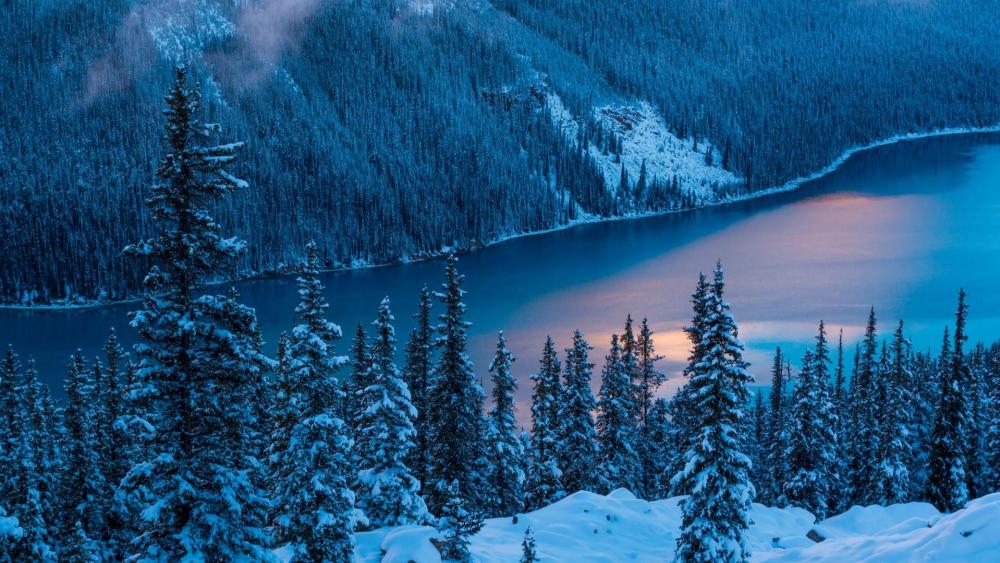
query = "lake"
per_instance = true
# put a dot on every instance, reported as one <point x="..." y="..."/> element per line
<point x="900" y="227"/>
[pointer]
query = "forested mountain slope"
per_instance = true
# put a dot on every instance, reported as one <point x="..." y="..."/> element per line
<point x="387" y="130"/>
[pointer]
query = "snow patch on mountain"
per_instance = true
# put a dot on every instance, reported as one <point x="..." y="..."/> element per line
<point x="619" y="527"/>
<point x="645" y="137"/>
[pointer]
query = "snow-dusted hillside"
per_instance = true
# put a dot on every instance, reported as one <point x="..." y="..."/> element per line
<point x="586" y="527"/>
<point x="646" y="138"/>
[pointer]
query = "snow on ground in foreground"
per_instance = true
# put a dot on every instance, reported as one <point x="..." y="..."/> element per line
<point x="645" y="137"/>
<point x="586" y="527"/>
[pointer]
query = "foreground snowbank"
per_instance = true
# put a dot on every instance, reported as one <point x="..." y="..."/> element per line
<point x="586" y="527"/>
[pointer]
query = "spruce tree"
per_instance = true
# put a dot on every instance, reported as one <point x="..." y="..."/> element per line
<point x="358" y="379"/>
<point x="892" y="457"/>
<point x="661" y="456"/>
<point x="993" y="427"/>
<point x="577" y="447"/>
<point x="616" y="427"/>
<point x="198" y="357"/>
<point x="455" y="406"/>
<point x="776" y="436"/>
<point x="390" y="494"/>
<point x="312" y="506"/>
<point x="417" y="374"/>
<point x="864" y="419"/>
<point x="977" y="408"/>
<point x="83" y="486"/>
<point x="947" y="485"/>
<point x="457" y="524"/>
<point x="648" y="383"/>
<point x="544" y="476"/>
<point x="682" y="404"/>
<point x="716" y="517"/>
<point x="528" y="554"/>
<point x="810" y="453"/>
<point x="506" y="453"/>
<point x="9" y="369"/>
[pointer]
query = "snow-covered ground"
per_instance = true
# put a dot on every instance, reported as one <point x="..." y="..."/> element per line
<point x="646" y="138"/>
<point x="586" y="527"/>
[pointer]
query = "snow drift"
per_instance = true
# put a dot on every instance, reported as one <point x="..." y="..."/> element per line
<point x="619" y="527"/>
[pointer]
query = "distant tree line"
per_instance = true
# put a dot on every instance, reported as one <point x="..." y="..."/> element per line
<point x="381" y="137"/>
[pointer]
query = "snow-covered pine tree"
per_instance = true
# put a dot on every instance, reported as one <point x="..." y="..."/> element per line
<point x="660" y="432"/>
<point x="757" y="442"/>
<point x="776" y="438"/>
<point x="716" y="517"/>
<point x="9" y="406"/>
<point x="455" y="406"/>
<point x="811" y="442"/>
<point x="682" y="414"/>
<point x="839" y="496"/>
<point x="630" y="363"/>
<point x="577" y="448"/>
<point x="864" y="419"/>
<point x="457" y="524"/>
<point x="42" y="425"/>
<point x="505" y="449"/>
<point x="544" y="477"/>
<point x="32" y="481"/>
<point x="199" y="355"/>
<point x="993" y="427"/>
<point x="417" y="374"/>
<point x="528" y="553"/>
<point x="390" y="494"/>
<point x="616" y="427"/>
<point x="976" y="398"/>
<point x="357" y="381"/>
<point x="312" y="505"/>
<point x="83" y="486"/>
<point x="113" y="443"/>
<point x="924" y="393"/>
<point x="648" y="382"/>
<point x="892" y="476"/>
<point x="948" y="486"/>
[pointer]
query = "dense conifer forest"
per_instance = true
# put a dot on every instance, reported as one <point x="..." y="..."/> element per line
<point x="388" y="130"/>
<point x="197" y="446"/>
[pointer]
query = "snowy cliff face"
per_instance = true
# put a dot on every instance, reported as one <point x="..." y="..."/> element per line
<point x="645" y="138"/>
<point x="619" y="527"/>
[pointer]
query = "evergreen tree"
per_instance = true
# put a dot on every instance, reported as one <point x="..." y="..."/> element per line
<point x="661" y="456"/>
<point x="649" y="381"/>
<point x="716" y="517"/>
<point x="417" y="374"/>
<point x="455" y="405"/>
<point x="528" y="554"/>
<point x="358" y="381"/>
<point x="30" y="500"/>
<point x="312" y="506"/>
<point x="840" y="498"/>
<point x="776" y="436"/>
<point x="947" y="486"/>
<point x="757" y="445"/>
<point x="810" y="453"/>
<point x="577" y="447"/>
<point x="390" y="494"/>
<point x="976" y="456"/>
<point x="616" y="428"/>
<point x="505" y="449"/>
<point x="544" y="476"/>
<point x="199" y="356"/>
<point x="83" y="486"/>
<point x="864" y="420"/>
<point x="892" y="456"/>
<point x="9" y="406"/>
<point x="993" y="427"/>
<point x="10" y="535"/>
<point x="110" y="398"/>
<point x="682" y="405"/>
<point x="457" y="525"/>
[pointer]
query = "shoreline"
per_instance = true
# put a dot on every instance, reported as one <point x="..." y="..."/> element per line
<point x="590" y="219"/>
